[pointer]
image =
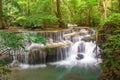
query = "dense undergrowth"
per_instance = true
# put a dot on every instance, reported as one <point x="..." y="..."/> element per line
<point x="110" y="39"/>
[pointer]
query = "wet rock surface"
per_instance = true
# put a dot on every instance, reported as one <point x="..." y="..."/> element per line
<point x="90" y="38"/>
<point x="79" y="56"/>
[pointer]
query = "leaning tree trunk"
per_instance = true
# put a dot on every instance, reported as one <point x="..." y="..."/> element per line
<point x="51" y="7"/>
<point x="27" y="8"/>
<point x="88" y="20"/>
<point x="1" y="26"/>
<point x="105" y="8"/>
<point x="61" y="24"/>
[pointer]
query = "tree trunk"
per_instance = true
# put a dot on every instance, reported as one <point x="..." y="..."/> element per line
<point x="1" y="26"/>
<point x="51" y="8"/>
<point x="61" y="24"/>
<point x="28" y="10"/>
<point x="105" y="8"/>
<point x="88" y="17"/>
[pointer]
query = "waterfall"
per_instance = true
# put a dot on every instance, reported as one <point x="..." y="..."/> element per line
<point x="81" y="53"/>
<point x="36" y="53"/>
<point x="81" y="48"/>
<point x="66" y="48"/>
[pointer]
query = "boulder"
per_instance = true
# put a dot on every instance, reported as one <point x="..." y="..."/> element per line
<point x="79" y="56"/>
<point x="90" y="38"/>
<point x="56" y="45"/>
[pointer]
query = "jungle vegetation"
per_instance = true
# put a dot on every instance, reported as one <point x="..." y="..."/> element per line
<point x="104" y="15"/>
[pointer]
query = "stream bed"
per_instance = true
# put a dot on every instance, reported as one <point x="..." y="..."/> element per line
<point x="57" y="73"/>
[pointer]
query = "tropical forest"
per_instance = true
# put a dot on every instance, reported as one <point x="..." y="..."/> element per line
<point x="59" y="39"/>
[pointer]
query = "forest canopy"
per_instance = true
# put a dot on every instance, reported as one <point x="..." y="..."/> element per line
<point x="49" y="13"/>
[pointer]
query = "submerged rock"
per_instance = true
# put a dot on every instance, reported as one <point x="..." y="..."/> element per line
<point x="79" y="56"/>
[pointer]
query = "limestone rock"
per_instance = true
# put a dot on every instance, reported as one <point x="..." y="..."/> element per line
<point x="55" y="45"/>
<point x="87" y="39"/>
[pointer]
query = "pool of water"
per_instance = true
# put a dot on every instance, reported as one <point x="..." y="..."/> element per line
<point x="57" y="73"/>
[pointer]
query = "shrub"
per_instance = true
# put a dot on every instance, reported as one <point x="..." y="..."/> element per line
<point x="38" y="20"/>
<point x="111" y="47"/>
<point x="36" y="38"/>
<point x="114" y="18"/>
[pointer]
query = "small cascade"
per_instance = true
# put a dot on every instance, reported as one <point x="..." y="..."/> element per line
<point x="81" y="48"/>
<point x="55" y="36"/>
<point x="56" y="49"/>
<point x="81" y="53"/>
<point x="63" y="47"/>
<point x="57" y="54"/>
<point x="35" y="55"/>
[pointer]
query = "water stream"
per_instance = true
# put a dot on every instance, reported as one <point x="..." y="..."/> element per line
<point x="71" y="59"/>
<point x="57" y="73"/>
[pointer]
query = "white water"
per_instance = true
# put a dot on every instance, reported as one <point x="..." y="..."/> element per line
<point x="87" y="49"/>
<point x="89" y="54"/>
<point x="25" y="66"/>
<point x="88" y="60"/>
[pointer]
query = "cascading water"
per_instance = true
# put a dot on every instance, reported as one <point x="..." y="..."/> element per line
<point x="36" y="53"/>
<point x="81" y="53"/>
<point x="67" y="49"/>
<point x="73" y="57"/>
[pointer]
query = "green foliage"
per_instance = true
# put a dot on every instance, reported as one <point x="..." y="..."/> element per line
<point x="116" y="7"/>
<point x="114" y="18"/>
<point x="15" y="42"/>
<point x="49" y="19"/>
<point x="44" y="12"/>
<point x="20" y="21"/>
<point x="36" y="38"/>
<point x="111" y="55"/>
<point x="12" y="40"/>
<point x="41" y="12"/>
<point x="114" y="41"/>
<point x="10" y="10"/>
<point x="91" y="3"/>
<point x="111" y="48"/>
<point x="83" y="10"/>
<point x="37" y="20"/>
<point x="4" y="71"/>
<point x="16" y="12"/>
